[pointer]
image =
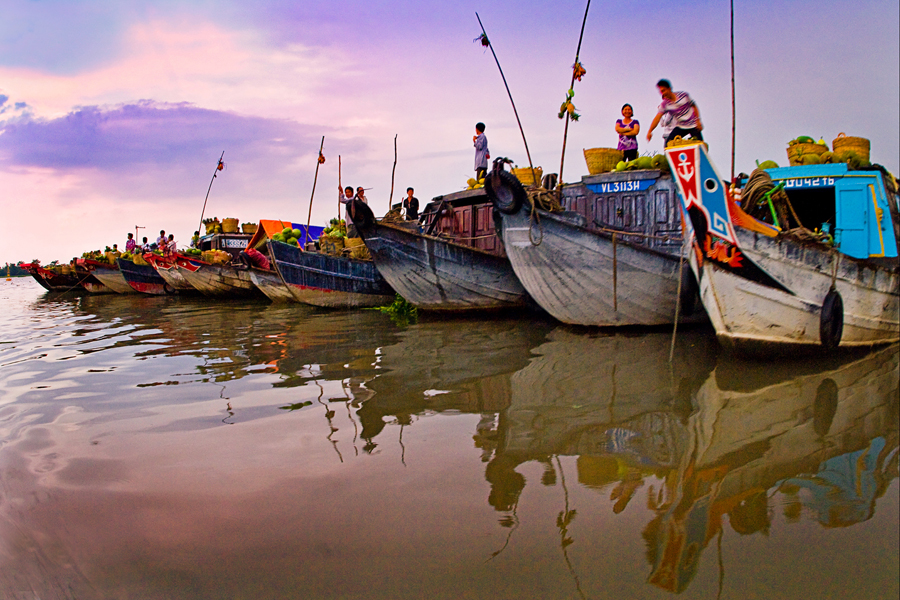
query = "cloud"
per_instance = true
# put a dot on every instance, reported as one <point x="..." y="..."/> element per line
<point x="120" y="137"/>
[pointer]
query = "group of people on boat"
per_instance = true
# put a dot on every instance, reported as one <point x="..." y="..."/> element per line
<point x="677" y="115"/>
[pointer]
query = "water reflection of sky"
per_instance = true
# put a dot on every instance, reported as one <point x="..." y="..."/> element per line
<point x="169" y="448"/>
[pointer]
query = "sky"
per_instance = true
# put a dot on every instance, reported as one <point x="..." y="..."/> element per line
<point x="113" y="113"/>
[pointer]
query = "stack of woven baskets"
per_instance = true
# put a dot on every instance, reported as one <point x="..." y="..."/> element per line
<point x="796" y="152"/>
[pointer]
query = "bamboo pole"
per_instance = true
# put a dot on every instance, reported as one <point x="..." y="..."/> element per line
<point x="216" y="172"/>
<point x="393" y="171"/>
<point x="562" y="159"/>
<point x="491" y="46"/>
<point x="315" y="178"/>
<point x="341" y="188"/>
<point x="733" y="118"/>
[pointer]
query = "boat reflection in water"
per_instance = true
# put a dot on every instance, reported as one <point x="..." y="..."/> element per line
<point x="157" y="447"/>
<point x="825" y="441"/>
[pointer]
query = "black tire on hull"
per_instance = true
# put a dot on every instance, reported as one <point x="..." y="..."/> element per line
<point x="505" y="191"/>
<point x="831" y="320"/>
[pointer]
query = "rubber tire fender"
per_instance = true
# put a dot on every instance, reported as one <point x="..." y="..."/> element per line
<point x="505" y="191"/>
<point x="831" y="320"/>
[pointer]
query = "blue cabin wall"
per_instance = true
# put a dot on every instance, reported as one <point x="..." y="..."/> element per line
<point x="863" y="226"/>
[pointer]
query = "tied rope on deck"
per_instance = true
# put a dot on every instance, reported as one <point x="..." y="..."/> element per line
<point x="754" y="203"/>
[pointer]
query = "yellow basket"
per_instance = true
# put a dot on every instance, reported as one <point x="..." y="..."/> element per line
<point x="229" y="225"/>
<point x="797" y="150"/>
<point x="139" y="260"/>
<point x="859" y="145"/>
<point x="211" y="227"/>
<point x="249" y="228"/>
<point x="602" y="160"/>
<point x="357" y="248"/>
<point x="679" y="141"/>
<point x="524" y="175"/>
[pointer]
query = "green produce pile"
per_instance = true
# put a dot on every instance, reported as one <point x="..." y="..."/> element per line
<point x="196" y="252"/>
<point x="336" y="228"/>
<point x="644" y="162"/>
<point x="288" y="236"/>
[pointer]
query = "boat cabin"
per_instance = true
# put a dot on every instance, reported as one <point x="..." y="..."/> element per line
<point x="644" y="203"/>
<point x="465" y="218"/>
<point x="852" y="205"/>
<point x="232" y="243"/>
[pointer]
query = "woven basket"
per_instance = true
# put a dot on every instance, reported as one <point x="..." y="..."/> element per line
<point x="602" y="160"/>
<point x="357" y="248"/>
<point x="211" y="227"/>
<point x="524" y="175"/>
<point x="797" y="150"/>
<point x="859" y="145"/>
<point x="229" y="225"/>
<point x="249" y="228"/>
<point x="679" y="141"/>
<point x="331" y="245"/>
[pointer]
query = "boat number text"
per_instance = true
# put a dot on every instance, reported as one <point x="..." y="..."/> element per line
<point x="234" y="243"/>
<point x="621" y="186"/>
<point x="809" y="182"/>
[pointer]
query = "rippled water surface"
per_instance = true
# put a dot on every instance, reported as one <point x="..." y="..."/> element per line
<point x="179" y="448"/>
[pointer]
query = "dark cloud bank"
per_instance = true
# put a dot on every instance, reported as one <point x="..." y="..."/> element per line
<point x="147" y="133"/>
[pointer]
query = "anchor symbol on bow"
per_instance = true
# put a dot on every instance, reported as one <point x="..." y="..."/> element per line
<point x="685" y="170"/>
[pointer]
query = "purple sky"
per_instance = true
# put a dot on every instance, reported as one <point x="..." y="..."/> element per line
<point x="113" y="114"/>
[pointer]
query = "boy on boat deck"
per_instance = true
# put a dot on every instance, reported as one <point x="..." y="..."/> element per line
<point x="482" y="154"/>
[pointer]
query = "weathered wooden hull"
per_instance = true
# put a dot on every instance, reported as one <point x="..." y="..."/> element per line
<point x="144" y="278"/>
<point x="55" y="282"/>
<point x="167" y="268"/>
<point x="751" y="316"/>
<point x="112" y="278"/>
<point x="329" y="281"/>
<point x="219" y="281"/>
<point x="582" y="277"/>
<point x="434" y="274"/>
<point x="270" y="284"/>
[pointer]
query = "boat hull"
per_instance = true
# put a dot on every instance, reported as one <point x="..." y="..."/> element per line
<point x="167" y="268"/>
<point x="751" y="316"/>
<point x="144" y="278"/>
<point x="112" y="278"/>
<point x="584" y="277"/>
<point x="329" y="281"/>
<point x="270" y="284"/>
<point x="434" y="274"/>
<point x="219" y="281"/>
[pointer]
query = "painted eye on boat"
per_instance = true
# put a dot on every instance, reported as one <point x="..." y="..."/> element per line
<point x="711" y="185"/>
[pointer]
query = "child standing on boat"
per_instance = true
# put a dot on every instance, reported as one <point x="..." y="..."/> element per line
<point x="482" y="154"/>
<point x="628" y="129"/>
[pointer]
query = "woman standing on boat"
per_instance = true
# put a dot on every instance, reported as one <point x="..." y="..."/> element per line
<point x="628" y="129"/>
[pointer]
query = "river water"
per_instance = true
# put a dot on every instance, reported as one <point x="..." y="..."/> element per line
<point x="161" y="448"/>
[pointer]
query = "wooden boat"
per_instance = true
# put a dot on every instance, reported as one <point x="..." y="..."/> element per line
<point x="329" y="281"/>
<point x="767" y="289"/>
<point x="144" y="278"/>
<point x="108" y="275"/>
<point x="54" y="278"/>
<point x="453" y="262"/>
<point x="167" y="268"/>
<point x="222" y="281"/>
<point x="612" y="256"/>
<point x="87" y="280"/>
<point x="269" y="280"/>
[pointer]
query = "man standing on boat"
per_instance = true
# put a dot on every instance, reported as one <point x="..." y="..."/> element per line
<point x="482" y="154"/>
<point x="161" y="241"/>
<point x="411" y="205"/>
<point x="684" y="113"/>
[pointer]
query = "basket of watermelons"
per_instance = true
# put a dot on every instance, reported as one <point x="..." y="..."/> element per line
<point x="800" y="151"/>
<point x="858" y="145"/>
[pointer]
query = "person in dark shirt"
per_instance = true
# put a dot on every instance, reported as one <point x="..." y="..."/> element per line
<point x="411" y="205"/>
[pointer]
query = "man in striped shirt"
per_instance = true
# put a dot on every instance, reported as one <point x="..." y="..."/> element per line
<point x="682" y="110"/>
